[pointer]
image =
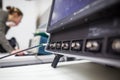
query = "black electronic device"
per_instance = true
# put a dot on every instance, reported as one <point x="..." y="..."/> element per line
<point x="1" y="4"/>
<point x="89" y="29"/>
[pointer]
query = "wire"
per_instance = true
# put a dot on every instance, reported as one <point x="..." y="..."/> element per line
<point x="40" y="45"/>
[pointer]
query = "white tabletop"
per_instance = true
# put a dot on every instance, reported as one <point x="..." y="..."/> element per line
<point x="76" y="70"/>
<point x="24" y="60"/>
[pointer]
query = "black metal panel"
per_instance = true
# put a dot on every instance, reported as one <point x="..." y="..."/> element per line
<point x="100" y="31"/>
<point x="0" y="4"/>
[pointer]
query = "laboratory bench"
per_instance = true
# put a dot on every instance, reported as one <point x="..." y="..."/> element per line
<point x="72" y="70"/>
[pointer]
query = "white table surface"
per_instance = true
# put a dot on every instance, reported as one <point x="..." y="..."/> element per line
<point x="75" y="70"/>
<point x="25" y="60"/>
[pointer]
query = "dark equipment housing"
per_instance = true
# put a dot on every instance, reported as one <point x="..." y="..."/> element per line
<point x="89" y="29"/>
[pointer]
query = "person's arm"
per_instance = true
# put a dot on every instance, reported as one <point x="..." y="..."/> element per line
<point x="4" y="42"/>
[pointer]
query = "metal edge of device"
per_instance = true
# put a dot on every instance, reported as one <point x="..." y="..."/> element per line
<point x="105" y="61"/>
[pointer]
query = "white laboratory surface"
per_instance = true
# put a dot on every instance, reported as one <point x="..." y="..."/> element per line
<point x="75" y="70"/>
<point x="13" y="61"/>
